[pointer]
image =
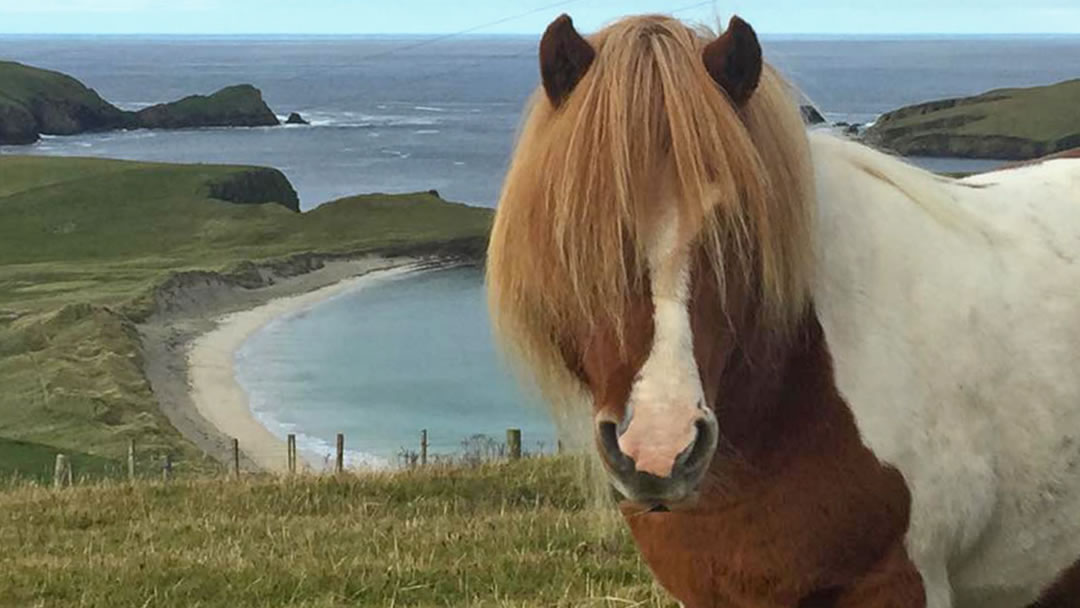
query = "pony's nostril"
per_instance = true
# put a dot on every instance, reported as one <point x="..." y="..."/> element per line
<point x="608" y="435"/>
<point x="700" y="448"/>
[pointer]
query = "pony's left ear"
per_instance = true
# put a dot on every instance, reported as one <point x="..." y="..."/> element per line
<point x="565" y="56"/>
<point x="734" y="61"/>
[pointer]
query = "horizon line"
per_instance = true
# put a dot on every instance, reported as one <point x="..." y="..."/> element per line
<point x="449" y="35"/>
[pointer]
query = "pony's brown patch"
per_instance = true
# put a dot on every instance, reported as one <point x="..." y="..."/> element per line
<point x="1065" y="592"/>
<point x="797" y="512"/>
<point x="1074" y="153"/>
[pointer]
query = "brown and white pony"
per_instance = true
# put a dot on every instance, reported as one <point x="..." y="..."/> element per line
<point x="819" y="376"/>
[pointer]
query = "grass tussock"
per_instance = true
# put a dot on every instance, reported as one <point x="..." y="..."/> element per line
<point x="520" y="534"/>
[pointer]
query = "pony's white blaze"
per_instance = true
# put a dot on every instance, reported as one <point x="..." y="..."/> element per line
<point x="666" y="399"/>
<point x="951" y="315"/>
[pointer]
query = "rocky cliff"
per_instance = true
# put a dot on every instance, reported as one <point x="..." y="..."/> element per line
<point x="35" y="102"/>
<point x="1008" y="124"/>
<point x="236" y="106"/>
<point x="255" y="186"/>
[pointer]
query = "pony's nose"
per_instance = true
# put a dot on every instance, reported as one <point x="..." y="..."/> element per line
<point x="662" y="462"/>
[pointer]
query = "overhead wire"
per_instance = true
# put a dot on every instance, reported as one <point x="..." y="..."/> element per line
<point x="476" y="28"/>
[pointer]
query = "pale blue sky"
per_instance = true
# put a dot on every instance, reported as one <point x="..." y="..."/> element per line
<point x="528" y="16"/>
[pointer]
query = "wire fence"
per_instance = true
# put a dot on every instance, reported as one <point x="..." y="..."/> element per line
<point x="472" y="451"/>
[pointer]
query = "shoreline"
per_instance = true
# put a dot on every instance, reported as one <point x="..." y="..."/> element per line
<point x="189" y="352"/>
<point x="217" y="393"/>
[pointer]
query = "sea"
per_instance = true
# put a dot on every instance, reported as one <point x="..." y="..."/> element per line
<point x="409" y="113"/>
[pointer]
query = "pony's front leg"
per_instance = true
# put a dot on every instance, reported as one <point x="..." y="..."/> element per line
<point x="894" y="582"/>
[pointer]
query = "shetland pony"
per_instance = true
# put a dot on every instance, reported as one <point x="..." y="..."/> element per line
<point x="818" y="376"/>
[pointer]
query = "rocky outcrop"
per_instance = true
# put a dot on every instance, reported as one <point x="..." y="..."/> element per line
<point x="848" y="128"/>
<point x="296" y="119"/>
<point x="237" y="106"/>
<point x="255" y="186"/>
<point x="17" y="125"/>
<point x="1008" y="124"/>
<point x="35" y="102"/>
<point x="810" y="115"/>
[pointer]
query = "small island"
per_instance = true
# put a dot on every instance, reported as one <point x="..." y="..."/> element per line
<point x="1005" y="124"/>
<point x="235" y="106"/>
<point x="36" y="102"/>
<point x="296" y="119"/>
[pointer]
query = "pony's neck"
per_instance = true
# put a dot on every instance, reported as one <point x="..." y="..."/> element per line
<point x="775" y="401"/>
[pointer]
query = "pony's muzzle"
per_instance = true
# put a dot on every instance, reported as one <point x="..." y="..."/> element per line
<point x="655" y="472"/>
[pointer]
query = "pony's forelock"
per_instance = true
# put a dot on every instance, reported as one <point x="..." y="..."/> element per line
<point x="645" y="125"/>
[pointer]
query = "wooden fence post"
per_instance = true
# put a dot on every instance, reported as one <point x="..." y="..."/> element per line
<point x="292" y="454"/>
<point x="166" y="468"/>
<point x="131" y="460"/>
<point x="423" y="447"/>
<point x="513" y="443"/>
<point x="339" y="463"/>
<point x="62" y="472"/>
<point x="236" y="458"/>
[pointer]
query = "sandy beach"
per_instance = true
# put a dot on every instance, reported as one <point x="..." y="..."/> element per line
<point x="190" y="351"/>
<point x="218" y="396"/>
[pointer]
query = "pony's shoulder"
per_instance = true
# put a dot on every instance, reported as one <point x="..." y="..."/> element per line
<point x="1042" y="199"/>
<point x="831" y="150"/>
<point x="852" y="172"/>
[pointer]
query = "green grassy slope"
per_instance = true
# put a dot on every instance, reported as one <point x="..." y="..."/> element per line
<point x="515" y="535"/>
<point x="101" y="231"/>
<point x="73" y="382"/>
<point x="23" y="83"/>
<point x="1013" y="124"/>
<point x="36" y="461"/>
<point x="83" y="242"/>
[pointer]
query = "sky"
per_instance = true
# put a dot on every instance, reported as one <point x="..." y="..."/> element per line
<point x="528" y="16"/>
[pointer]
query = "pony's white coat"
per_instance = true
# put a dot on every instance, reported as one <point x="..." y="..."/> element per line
<point x="952" y="313"/>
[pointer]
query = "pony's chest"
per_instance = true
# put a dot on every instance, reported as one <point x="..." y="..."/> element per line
<point x="815" y="527"/>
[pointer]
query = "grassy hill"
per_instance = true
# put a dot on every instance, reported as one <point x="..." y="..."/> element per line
<point x="34" y="101"/>
<point x="1010" y="124"/>
<point x="85" y="242"/>
<point x="512" y="535"/>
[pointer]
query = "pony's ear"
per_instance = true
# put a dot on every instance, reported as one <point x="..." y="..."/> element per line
<point x="734" y="60"/>
<point x="564" y="58"/>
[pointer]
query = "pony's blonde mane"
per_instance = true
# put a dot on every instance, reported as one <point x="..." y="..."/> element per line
<point x="645" y="125"/>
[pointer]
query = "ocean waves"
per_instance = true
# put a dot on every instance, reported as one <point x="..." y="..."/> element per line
<point x="319" y="453"/>
<point x="364" y="120"/>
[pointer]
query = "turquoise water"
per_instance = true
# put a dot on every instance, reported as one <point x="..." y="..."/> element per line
<point x="383" y="362"/>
